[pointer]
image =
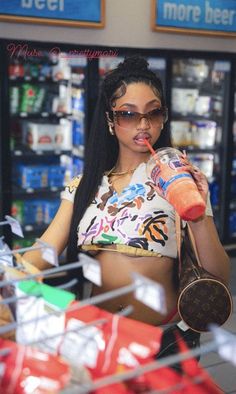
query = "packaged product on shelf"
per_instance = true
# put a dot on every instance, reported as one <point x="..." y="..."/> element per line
<point x="77" y="101"/>
<point x="50" y="210"/>
<point x="192" y="70"/>
<point x="107" y="63"/>
<point x="17" y="210"/>
<point x="39" y="98"/>
<point x="78" y="131"/>
<point x="184" y="100"/>
<point x="14" y="99"/>
<point x="32" y="176"/>
<point x="27" y="73"/>
<point x="28" y="95"/>
<point x="204" y="133"/>
<point x="56" y="176"/>
<point x="204" y="161"/>
<point x="214" y="189"/>
<point x="16" y="70"/>
<point x="45" y="137"/>
<point x="67" y="162"/>
<point x="39" y="136"/>
<point x="62" y="69"/>
<point x="62" y="102"/>
<point x="31" y="70"/>
<point x="203" y="106"/>
<point x="48" y="102"/>
<point x="217" y="78"/>
<point x="45" y="71"/>
<point x="63" y="135"/>
<point x="196" y="70"/>
<point x="78" y="166"/>
<point x="180" y="133"/>
<point x="34" y="212"/>
<point x="22" y="242"/>
<point x="77" y="76"/>
<point x="217" y="105"/>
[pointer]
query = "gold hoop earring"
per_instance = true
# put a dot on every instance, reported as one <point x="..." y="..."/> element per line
<point x="111" y="130"/>
<point x="110" y="124"/>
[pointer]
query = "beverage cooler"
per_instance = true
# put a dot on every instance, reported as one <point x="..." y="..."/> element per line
<point x="232" y="201"/>
<point x="199" y="121"/>
<point x="44" y="126"/>
<point x="47" y="103"/>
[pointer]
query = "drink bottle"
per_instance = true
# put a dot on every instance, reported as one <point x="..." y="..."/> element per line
<point x="166" y="169"/>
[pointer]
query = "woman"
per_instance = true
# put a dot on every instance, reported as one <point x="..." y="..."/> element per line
<point x="113" y="210"/>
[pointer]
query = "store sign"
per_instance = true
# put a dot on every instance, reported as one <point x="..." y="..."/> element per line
<point x="215" y="17"/>
<point x="87" y="13"/>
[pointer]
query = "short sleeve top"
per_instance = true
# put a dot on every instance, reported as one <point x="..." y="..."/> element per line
<point x="136" y="221"/>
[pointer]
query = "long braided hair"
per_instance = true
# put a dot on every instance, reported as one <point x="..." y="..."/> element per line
<point x="101" y="150"/>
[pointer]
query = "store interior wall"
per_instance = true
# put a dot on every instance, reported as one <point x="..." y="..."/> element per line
<point x="127" y="24"/>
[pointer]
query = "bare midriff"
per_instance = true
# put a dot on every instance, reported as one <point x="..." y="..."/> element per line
<point x="116" y="271"/>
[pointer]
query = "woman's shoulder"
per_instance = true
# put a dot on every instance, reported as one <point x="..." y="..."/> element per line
<point x="74" y="183"/>
<point x="71" y="187"/>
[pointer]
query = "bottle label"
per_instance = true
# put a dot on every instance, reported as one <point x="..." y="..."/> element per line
<point x="165" y="184"/>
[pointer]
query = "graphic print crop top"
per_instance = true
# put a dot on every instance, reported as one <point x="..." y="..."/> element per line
<point x="137" y="221"/>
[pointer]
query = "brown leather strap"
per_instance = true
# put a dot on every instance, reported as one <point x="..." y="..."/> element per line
<point x="179" y="240"/>
<point x="178" y="234"/>
<point x="193" y="243"/>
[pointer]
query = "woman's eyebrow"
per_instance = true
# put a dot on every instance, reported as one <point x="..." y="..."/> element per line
<point x="155" y="101"/>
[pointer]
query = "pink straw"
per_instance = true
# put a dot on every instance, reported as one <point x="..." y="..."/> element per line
<point x="149" y="147"/>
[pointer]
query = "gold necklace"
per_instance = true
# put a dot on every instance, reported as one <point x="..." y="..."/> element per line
<point x="121" y="173"/>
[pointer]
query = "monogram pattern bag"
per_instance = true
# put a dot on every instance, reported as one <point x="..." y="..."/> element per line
<point x="203" y="297"/>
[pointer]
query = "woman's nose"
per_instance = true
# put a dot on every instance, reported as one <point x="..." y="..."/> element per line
<point x="143" y="123"/>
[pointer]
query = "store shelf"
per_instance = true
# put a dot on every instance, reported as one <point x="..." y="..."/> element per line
<point x="19" y="192"/>
<point x="193" y="117"/>
<point x="34" y="228"/>
<point x="27" y="152"/>
<point x="37" y="80"/>
<point x="41" y="115"/>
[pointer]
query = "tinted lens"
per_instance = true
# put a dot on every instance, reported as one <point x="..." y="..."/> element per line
<point x="158" y="115"/>
<point x="127" y="118"/>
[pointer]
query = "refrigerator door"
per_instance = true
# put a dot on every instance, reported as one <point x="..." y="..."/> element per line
<point x="198" y="119"/>
<point x="232" y="206"/>
<point x="156" y="64"/>
<point x="47" y="113"/>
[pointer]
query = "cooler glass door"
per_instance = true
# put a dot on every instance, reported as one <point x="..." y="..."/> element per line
<point x="47" y="122"/>
<point x="197" y="114"/>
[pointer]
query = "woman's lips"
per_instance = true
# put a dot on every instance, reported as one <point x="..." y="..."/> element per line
<point x="141" y="137"/>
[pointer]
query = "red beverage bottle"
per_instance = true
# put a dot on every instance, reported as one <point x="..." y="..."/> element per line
<point x="166" y="169"/>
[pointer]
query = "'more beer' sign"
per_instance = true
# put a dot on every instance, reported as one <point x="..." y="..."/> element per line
<point x="217" y="17"/>
<point x="67" y="12"/>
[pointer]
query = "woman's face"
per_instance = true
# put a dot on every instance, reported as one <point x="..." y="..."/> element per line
<point x="131" y="130"/>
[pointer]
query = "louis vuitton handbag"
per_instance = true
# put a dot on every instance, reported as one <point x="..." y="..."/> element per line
<point x="203" y="297"/>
